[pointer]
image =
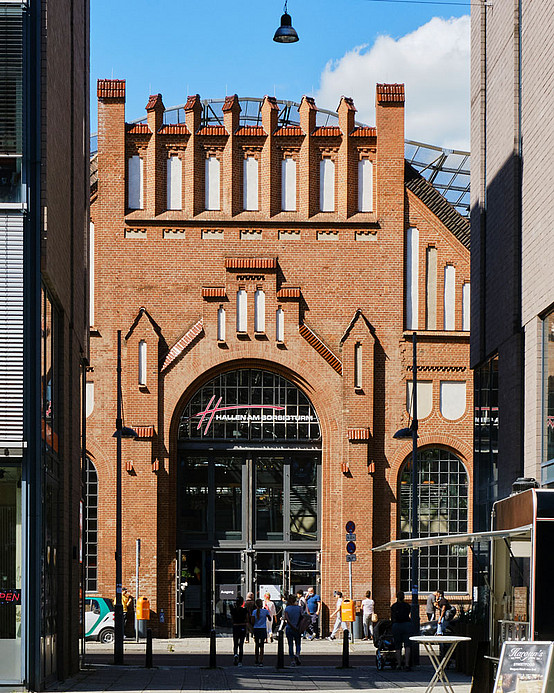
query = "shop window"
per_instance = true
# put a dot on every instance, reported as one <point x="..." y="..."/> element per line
<point x="466" y="297"/>
<point x="453" y="399"/>
<point x="280" y="325"/>
<point x="412" y="278"/>
<point x="135" y="182"/>
<point x="424" y="398"/>
<point x="449" y="297"/>
<point x="174" y="183"/>
<point x="326" y="185"/>
<point x="365" y="185"/>
<point x="443" y="504"/>
<point x="242" y="310"/>
<point x="221" y="324"/>
<point x="142" y="363"/>
<point x="259" y="311"/>
<point x="213" y="183"/>
<point x="250" y="184"/>
<point x="288" y="185"/>
<point x="91" y="527"/>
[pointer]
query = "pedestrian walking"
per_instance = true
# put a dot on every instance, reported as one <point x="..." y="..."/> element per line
<point x="430" y="606"/>
<point x="293" y="616"/>
<point x="259" y="619"/>
<point x="368" y="609"/>
<point x="401" y="629"/>
<point x="250" y="605"/>
<point x="270" y="606"/>
<point x="339" y="623"/>
<point x="239" y="615"/>
<point x="313" y="606"/>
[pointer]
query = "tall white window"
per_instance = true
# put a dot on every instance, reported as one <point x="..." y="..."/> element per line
<point x="453" y="399"/>
<point x="327" y="185"/>
<point x="135" y="181"/>
<point x="466" y="297"/>
<point x="91" y="275"/>
<point x="221" y="324"/>
<point x="242" y="310"/>
<point x="449" y="297"/>
<point x="174" y="183"/>
<point x="365" y="186"/>
<point x="288" y="185"/>
<point x="259" y="311"/>
<point x="213" y="179"/>
<point x="358" y="365"/>
<point x="424" y="397"/>
<point x="250" y="183"/>
<point x="280" y="325"/>
<point x="142" y="362"/>
<point x="412" y="278"/>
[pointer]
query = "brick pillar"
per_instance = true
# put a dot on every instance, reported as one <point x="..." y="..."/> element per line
<point x="271" y="163"/>
<point x="155" y="173"/>
<point x="347" y="170"/>
<point x="194" y="200"/>
<point x="231" y="179"/>
<point x="309" y="162"/>
<point x="112" y="162"/>
<point x="389" y="117"/>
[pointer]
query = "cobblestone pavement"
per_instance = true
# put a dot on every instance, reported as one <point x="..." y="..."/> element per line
<point x="181" y="666"/>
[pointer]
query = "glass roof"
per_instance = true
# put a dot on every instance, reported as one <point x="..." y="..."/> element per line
<point x="447" y="169"/>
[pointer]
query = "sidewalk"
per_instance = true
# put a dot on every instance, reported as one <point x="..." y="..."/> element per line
<point x="180" y="666"/>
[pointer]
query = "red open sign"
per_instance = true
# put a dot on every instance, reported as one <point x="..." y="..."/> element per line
<point x="10" y="597"/>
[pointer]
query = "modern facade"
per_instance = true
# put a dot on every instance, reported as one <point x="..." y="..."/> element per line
<point x="267" y="271"/>
<point x="43" y="334"/>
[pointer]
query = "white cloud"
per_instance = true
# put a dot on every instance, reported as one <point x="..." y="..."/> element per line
<point x="433" y="63"/>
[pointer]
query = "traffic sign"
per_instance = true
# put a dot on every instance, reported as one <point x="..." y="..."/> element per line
<point x="351" y="558"/>
<point x="351" y="547"/>
<point x="350" y="527"/>
<point x="350" y="537"/>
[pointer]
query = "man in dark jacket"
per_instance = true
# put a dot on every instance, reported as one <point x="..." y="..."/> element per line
<point x="400" y="615"/>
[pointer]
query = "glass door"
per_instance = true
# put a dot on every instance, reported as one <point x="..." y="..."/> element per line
<point x="229" y="583"/>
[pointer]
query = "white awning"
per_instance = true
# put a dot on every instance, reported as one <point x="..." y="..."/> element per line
<point x="453" y="539"/>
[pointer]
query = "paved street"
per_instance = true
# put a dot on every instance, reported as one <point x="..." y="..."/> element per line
<point x="182" y="666"/>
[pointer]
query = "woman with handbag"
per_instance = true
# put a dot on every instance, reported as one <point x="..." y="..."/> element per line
<point x="368" y="609"/>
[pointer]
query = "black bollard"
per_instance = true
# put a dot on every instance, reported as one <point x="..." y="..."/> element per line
<point x="345" y="650"/>
<point x="281" y="649"/>
<point x="212" y="664"/>
<point x="148" y="649"/>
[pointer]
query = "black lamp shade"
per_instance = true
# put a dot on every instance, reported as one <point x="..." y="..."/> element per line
<point x="125" y="432"/>
<point x="286" y="33"/>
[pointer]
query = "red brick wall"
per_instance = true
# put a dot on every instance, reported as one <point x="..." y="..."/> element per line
<point x="336" y="277"/>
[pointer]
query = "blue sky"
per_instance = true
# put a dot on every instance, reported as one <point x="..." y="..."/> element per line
<point x="217" y="48"/>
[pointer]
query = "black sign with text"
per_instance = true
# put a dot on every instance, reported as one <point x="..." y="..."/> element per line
<point x="524" y="667"/>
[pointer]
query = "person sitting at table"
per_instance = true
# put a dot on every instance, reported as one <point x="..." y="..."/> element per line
<point x="401" y="629"/>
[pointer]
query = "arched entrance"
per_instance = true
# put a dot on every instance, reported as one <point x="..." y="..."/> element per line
<point x="248" y="494"/>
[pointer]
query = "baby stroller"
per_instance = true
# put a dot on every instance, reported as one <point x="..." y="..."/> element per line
<point x="384" y="642"/>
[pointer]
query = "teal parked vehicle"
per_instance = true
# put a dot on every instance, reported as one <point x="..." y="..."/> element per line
<point x="99" y="619"/>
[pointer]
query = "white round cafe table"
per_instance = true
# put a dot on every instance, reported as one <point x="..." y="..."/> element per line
<point x="439" y="664"/>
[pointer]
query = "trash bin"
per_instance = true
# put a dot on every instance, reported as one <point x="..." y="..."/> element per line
<point x="143" y="616"/>
<point x="348" y="611"/>
<point x="358" y="626"/>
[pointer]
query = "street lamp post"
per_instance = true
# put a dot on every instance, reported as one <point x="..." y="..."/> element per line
<point x="411" y="432"/>
<point x="121" y="432"/>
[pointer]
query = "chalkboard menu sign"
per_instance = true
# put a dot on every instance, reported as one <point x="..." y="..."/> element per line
<point x="524" y="667"/>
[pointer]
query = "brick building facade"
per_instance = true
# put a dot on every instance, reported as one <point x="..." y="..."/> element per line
<point x="267" y="352"/>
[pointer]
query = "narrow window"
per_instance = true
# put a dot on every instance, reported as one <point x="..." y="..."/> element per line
<point x="358" y="365"/>
<point x="242" y="309"/>
<point x="327" y="185"/>
<point x="142" y="362"/>
<point x="424" y="398"/>
<point x="288" y="185"/>
<point x="365" y="186"/>
<point x="221" y="324"/>
<point x="91" y="275"/>
<point x="259" y="311"/>
<point x="213" y="175"/>
<point x="412" y="278"/>
<point x="280" y="325"/>
<point x="135" y="182"/>
<point x="174" y="182"/>
<point x="466" y="315"/>
<point x="89" y="394"/>
<point x="431" y="290"/>
<point x="250" y="183"/>
<point x="449" y="297"/>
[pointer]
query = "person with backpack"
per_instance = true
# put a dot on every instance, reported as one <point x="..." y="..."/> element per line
<point x="239" y="615"/>
<point x="446" y="612"/>
<point x="259" y="619"/>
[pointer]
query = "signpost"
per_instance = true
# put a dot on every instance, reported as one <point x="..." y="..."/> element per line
<point x="524" y="667"/>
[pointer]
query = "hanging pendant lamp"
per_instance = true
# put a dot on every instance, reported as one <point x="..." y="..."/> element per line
<point x="286" y="33"/>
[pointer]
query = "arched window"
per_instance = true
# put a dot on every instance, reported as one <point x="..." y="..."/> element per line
<point x="443" y="490"/>
<point x="91" y="527"/>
